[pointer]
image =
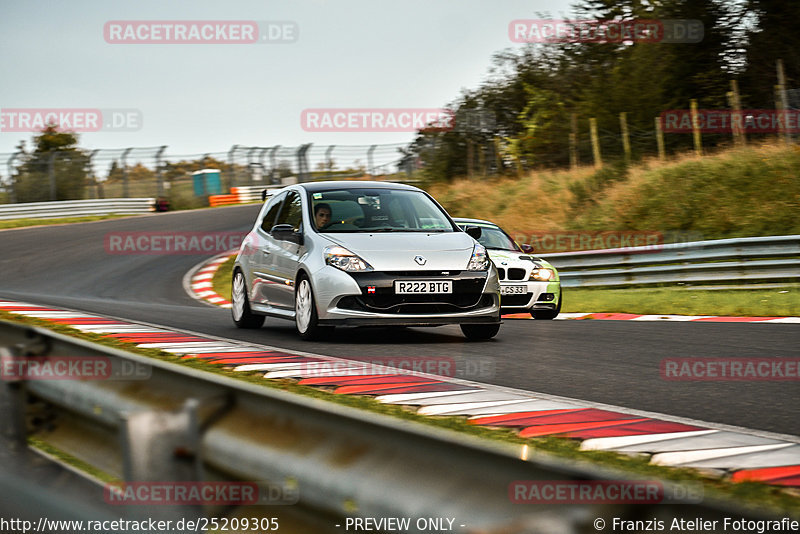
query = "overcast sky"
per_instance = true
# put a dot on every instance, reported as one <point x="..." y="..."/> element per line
<point x="199" y="98"/>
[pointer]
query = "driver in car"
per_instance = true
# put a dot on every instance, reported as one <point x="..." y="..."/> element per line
<point x="322" y="215"/>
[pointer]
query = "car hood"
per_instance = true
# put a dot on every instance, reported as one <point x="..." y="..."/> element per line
<point x="517" y="258"/>
<point x="395" y="251"/>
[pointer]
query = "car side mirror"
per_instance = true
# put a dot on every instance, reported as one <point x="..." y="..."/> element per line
<point x="285" y="232"/>
<point x="526" y="248"/>
<point x="474" y="232"/>
<point x="263" y="195"/>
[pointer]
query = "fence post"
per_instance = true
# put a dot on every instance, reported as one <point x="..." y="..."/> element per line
<point x="787" y="136"/>
<point x="90" y="166"/>
<point x="779" y="109"/>
<point x="159" y="177"/>
<point x="573" y="141"/>
<point x="598" y="159"/>
<point x="51" y="173"/>
<point x="231" y="168"/>
<point x="470" y="158"/>
<point x="660" y="139"/>
<point x="698" y="139"/>
<point x="263" y="165"/>
<point x="250" y="164"/>
<point x="626" y="140"/>
<point x="328" y="162"/>
<point x="370" y="160"/>
<point x="125" y="188"/>
<point x="736" y="117"/>
<point x="12" y="195"/>
<point x="273" y="176"/>
<point x="302" y="162"/>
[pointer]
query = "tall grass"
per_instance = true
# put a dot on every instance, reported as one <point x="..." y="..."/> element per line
<point x="749" y="191"/>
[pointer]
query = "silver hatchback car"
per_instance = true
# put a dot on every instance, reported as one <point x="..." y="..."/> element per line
<point x="363" y="254"/>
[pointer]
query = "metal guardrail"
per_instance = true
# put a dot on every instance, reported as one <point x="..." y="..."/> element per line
<point x="342" y="461"/>
<point x="77" y="208"/>
<point x="722" y="260"/>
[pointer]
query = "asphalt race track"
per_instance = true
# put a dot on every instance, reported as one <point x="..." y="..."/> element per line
<point x="610" y="362"/>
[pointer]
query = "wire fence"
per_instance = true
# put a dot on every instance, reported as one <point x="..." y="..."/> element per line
<point x="473" y="148"/>
<point x="77" y="174"/>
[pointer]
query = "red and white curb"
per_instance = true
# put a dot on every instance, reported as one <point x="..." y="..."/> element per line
<point x="735" y="453"/>
<point x="198" y="281"/>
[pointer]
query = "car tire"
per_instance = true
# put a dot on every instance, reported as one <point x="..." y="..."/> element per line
<point x="242" y="315"/>
<point x="549" y="314"/>
<point x="480" y="332"/>
<point x="306" y="319"/>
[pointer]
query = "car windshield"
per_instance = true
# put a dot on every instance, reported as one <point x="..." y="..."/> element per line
<point x="376" y="210"/>
<point x="494" y="238"/>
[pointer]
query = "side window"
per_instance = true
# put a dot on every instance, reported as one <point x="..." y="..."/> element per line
<point x="269" y="219"/>
<point x="292" y="212"/>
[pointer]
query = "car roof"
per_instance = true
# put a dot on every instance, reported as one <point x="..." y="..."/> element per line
<point x="354" y="184"/>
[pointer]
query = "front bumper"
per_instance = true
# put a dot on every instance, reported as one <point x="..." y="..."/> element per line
<point x="475" y="299"/>
<point x="537" y="296"/>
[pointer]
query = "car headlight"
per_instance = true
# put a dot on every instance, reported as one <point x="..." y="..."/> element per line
<point x="543" y="275"/>
<point x="343" y="259"/>
<point x="479" y="260"/>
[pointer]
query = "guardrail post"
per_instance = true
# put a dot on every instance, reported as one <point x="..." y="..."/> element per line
<point x="15" y="427"/>
<point x="155" y="444"/>
<point x="125" y="189"/>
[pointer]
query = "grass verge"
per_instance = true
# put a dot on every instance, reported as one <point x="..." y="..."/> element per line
<point x="221" y="283"/>
<point x="22" y="223"/>
<point x="772" y="302"/>
<point x="754" y="495"/>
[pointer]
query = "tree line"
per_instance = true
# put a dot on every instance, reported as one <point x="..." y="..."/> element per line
<point x="537" y="95"/>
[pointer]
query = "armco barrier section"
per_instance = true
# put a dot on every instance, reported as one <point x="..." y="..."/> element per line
<point x="339" y="460"/>
<point x="78" y="208"/>
<point x="723" y="260"/>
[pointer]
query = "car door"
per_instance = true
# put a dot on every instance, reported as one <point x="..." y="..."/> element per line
<point x="286" y="253"/>
<point x="263" y="252"/>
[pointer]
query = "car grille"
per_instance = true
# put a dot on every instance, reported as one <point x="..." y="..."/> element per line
<point x="514" y="273"/>
<point x="467" y="293"/>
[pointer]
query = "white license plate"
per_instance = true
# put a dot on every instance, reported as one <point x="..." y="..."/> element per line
<point x="423" y="286"/>
<point x="513" y="290"/>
